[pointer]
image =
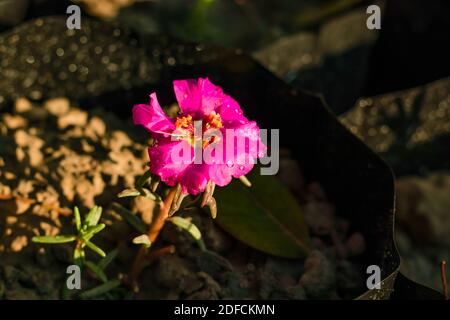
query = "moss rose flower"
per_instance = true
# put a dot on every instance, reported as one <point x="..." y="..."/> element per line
<point x="210" y="120"/>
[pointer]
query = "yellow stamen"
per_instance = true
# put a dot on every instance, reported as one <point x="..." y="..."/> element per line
<point x="184" y="122"/>
<point x="213" y="120"/>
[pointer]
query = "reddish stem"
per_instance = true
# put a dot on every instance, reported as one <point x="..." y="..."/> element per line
<point x="444" y="280"/>
<point x="152" y="234"/>
<point x="159" y="253"/>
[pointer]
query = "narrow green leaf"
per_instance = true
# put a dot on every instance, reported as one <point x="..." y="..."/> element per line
<point x="188" y="226"/>
<point x="93" y="217"/>
<point x="177" y="200"/>
<point x="97" y="270"/>
<point x="212" y="206"/>
<point x="131" y="218"/>
<point x="208" y="194"/>
<point x="143" y="179"/>
<point x="150" y="195"/>
<point x="266" y="216"/>
<point x="91" y="231"/>
<point x="77" y="215"/>
<point x="54" y="239"/>
<point x="129" y="193"/>
<point x="245" y="181"/>
<point x="143" y="192"/>
<point x="94" y="248"/>
<point x="104" y="262"/>
<point x="143" y="240"/>
<point x="101" y="289"/>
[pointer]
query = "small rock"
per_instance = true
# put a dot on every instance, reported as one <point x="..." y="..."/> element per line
<point x="57" y="106"/>
<point x="213" y="263"/>
<point x="320" y="217"/>
<point x="170" y="271"/>
<point x="22" y="105"/>
<point x="211" y="289"/>
<point x="74" y="117"/>
<point x="319" y="277"/>
<point x="19" y="243"/>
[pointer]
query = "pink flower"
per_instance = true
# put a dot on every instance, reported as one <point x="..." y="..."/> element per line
<point x="222" y="127"/>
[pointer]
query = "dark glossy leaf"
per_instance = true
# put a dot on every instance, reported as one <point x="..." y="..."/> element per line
<point x="265" y="216"/>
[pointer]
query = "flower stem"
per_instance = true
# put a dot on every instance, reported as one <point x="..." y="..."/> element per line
<point x="152" y="234"/>
<point x="444" y="280"/>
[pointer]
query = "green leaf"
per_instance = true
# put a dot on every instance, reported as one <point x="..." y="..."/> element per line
<point x="93" y="217"/>
<point x="211" y="204"/>
<point x="265" y="216"/>
<point x="143" y="240"/>
<point x="245" y="181"/>
<point x="188" y="226"/>
<point x="131" y="218"/>
<point x="142" y="180"/>
<point x="91" y="231"/>
<point x="76" y="212"/>
<point x="97" y="270"/>
<point x="101" y="289"/>
<point x="54" y="239"/>
<point x="94" y="248"/>
<point x="103" y="263"/>
<point x="143" y="192"/>
<point x="177" y="200"/>
<point x="150" y="195"/>
<point x="129" y="193"/>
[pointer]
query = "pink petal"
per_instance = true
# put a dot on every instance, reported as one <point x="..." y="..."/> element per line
<point x="220" y="174"/>
<point x="230" y="112"/>
<point x="162" y="163"/>
<point x="189" y="96"/>
<point x="194" y="178"/>
<point x="198" y="97"/>
<point x="152" y="117"/>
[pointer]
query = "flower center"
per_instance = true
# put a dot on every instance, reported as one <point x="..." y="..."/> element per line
<point x="185" y="126"/>
<point x="213" y="120"/>
<point x="184" y="123"/>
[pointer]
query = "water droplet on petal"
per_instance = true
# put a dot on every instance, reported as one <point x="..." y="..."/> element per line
<point x="241" y="167"/>
<point x="229" y="163"/>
